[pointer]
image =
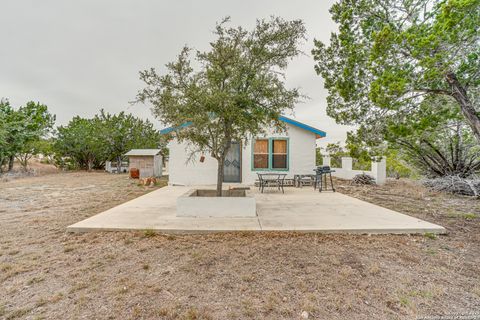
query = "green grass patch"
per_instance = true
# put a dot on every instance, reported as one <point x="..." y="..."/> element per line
<point x="469" y="216"/>
<point x="462" y="215"/>
<point x="430" y="235"/>
<point x="17" y="314"/>
<point x="149" y="233"/>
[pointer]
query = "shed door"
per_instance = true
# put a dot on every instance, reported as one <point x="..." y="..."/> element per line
<point x="232" y="168"/>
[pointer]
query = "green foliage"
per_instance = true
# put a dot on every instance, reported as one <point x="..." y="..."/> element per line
<point x="81" y="143"/>
<point x="447" y="150"/>
<point x="21" y="130"/>
<point x="360" y="161"/>
<point x="430" y="235"/>
<point x="237" y="90"/>
<point x="45" y="147"/>
<point x="336" y="152"/>
<point x="6" y="124"/>
<point x="434" y="140"/>
<point x="149" y="233"/>
<point x="318" y="157"/>
<point x="88" y="143"/>
<point x="397" y="167"/>
<point x="389" y="57"/>
<point x="123" y="132"/>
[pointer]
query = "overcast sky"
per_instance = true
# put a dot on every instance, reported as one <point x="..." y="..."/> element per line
<point x="80" y="56"/>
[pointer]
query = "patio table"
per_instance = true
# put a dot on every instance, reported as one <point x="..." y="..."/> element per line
<point x="271" y="179"/>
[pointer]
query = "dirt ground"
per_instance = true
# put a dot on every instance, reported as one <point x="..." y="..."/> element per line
<point x="35" y="168"/>
<point x="46" y="273"/>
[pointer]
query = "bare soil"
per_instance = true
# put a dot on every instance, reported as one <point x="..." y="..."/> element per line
<point x="46" y="273"/>
<point x="35" y="168"/>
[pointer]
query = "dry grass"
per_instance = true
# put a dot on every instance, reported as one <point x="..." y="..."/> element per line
<point x="47" y="273"/>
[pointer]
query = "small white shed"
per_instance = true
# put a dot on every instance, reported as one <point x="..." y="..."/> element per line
<point x="147" y="161"/>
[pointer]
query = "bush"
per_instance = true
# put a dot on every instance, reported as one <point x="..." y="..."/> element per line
<point x="455" y="185"/>
<point x="397" y="168"/>
<point x="362" y="164"/>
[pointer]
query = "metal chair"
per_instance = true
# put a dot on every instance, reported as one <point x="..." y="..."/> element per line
<point x="260" y="181"/>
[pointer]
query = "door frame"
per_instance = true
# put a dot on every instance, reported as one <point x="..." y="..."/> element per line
<point x="240" y="156"/>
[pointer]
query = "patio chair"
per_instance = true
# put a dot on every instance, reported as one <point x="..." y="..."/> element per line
<point x="260" y="181"/>
<point x="321" y="177"/>
<point x="281" y="182"/>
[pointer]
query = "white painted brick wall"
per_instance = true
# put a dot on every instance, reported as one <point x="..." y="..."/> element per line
<point x="378" y="170"/>
<point x="301" y="160"/>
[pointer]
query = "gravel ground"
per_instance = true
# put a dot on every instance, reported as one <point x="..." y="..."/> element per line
<point x="46" y="273"/>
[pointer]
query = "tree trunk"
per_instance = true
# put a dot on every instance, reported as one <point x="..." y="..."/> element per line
<point x="460" y="95"/>
<point x="119" y="164"/>
<point x="23" y="159"/>
<point x="89" y="164"/>
<point x="220" y="161"/>
<point x="10" y="163"/>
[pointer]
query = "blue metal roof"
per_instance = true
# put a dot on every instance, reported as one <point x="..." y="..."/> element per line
<point x="303" y="126"/>
<point x="170" y="129"/>
<point x="300" y="125"/>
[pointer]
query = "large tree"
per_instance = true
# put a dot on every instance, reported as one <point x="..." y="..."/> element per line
<point x="6" y="118"/>
<point x="236" y="89"/>
<point x="389" y="55"/>
<point x="37" y="124"/>
<point x="81" y="143"/>
<point x="21" y="129"/>
<point x="122" y="132"/>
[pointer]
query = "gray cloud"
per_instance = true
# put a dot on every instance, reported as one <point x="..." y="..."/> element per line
<point x="78" y="56"/>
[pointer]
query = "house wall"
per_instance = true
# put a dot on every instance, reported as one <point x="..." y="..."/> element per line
<point x="301" y="152"/>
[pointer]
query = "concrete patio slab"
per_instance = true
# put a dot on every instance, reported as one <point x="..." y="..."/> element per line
<point x="302" y="210"/>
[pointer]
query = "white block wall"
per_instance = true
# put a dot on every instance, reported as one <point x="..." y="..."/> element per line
<point x="301" y="160"/>
<point x="378" y="171"/>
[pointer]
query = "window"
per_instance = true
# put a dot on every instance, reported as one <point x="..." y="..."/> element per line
<point x="279" y="154"/>
<point x="260" y="154"/>
<point x="270" y="154"/>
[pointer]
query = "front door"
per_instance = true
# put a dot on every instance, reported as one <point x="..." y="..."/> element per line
<point x="232" y="167"/>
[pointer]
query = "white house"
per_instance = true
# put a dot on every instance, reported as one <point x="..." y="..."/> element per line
<point x="291" y="152"/>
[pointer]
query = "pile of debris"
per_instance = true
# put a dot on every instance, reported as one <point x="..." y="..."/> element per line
<point x="148" y="182"/>
<point x="455" y="184"/>
<point x="363" y="179"/>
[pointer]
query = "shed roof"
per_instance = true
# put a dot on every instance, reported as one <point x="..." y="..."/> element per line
<point x="143" y="152"/>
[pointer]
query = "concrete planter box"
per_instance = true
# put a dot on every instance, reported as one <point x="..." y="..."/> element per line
<point x="204" y="203"/>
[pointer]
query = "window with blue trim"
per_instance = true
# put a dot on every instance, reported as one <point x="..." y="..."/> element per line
<point x="270" y="154"/>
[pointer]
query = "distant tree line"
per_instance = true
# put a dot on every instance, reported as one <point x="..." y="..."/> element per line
<point x="84" y="143"/>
